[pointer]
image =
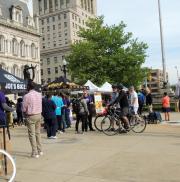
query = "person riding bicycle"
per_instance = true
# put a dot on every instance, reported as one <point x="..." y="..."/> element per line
<point x="115" y="94"/>
<point x="122" y="100"/>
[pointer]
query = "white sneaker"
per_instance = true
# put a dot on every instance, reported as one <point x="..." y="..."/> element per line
<point x="36" y="156"/>
<point x="41" y="153"/>
<point x="54" y="137"/>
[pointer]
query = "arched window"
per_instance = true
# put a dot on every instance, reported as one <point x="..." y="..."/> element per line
<point x="15" y="70"/>
<point x="33" y="54"/>
<point x="2" y="45"/>
<point x="22" y="48"/>
<point x="15" y="47"/>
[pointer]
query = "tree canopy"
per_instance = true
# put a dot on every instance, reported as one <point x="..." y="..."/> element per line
<point x="107" y="53"/>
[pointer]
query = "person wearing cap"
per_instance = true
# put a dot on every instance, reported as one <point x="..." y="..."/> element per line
<point x="122" y="100"/>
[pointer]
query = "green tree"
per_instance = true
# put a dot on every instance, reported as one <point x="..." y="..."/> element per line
<point x="107" y="53"/>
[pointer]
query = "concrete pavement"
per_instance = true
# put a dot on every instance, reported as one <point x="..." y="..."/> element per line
<point x="153" y="156"/>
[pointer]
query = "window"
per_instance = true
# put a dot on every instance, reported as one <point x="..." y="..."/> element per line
<point x="22" y="48"/>
<point x="55" y="45"/>
<point x="15" y="47"/>
<point x="41" y="72"/>
<point x="2" y="43"/>
<point x="59" y="17"/>
<point x="79" y="20"/>
<point x="61" y="3"/>
<point x="59" y="25"/>
<point x="42" y="22"/>
<point x="65" y="34"/>
<point x="65" y="24"/>
<point x="48" y="61"/>
<point x="54" y="27"/>
<point x="72" y="16"/>
<point x="49" y="80"/>
<point x="48" y="28"/>
<point x="55" y="60"/>
<point x="47" y="20"/>
<point x="65" y="16"/>
<point x="48" y="36"/>
<point x="42" y="30"/>
<point x="33" y="52"/>
<point x="56" y="70"/>
<point x="53" y="18"/>
<point x="49" y="71"/>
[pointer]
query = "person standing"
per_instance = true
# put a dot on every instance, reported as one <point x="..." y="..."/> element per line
<point x="166" y="106"/>
<point x="82" y="115"/>
<point x="133" y="100"/>
<point x="32" y="108"/>
<point x="89" y="102"/>
<point x="59" y="104"/>
<point x="48" y="112"/>
<point x="19" y="111"/>
<point x="141" y="101"/>
<point x="67" y="111"/>
<point x="4" y="107"/>
<point x="149" y="101"/>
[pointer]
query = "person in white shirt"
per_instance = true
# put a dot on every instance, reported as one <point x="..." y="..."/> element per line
<point x="133" y="99"/>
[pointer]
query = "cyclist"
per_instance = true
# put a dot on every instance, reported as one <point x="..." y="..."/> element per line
<point x="122" y="100"/>
<point x="115" y="94"/>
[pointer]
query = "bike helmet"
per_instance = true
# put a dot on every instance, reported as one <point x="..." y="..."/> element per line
<point x="114" y="85"/>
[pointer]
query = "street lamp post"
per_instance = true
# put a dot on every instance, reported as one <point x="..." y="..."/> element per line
<point x="162" y="43"/>
<point x="64" y="68"/>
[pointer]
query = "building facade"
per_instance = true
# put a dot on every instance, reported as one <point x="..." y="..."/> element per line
<point x="155" y="80"/>
<point x="19" y="38"/>
<point x="60" y="20"/>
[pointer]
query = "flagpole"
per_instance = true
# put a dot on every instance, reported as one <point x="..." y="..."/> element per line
<point x="162" y="43"/>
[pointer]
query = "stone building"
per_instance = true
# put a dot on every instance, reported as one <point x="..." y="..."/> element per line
<point x="155" y="81"/>
<point x="19" y="38"/>
<point x="60" y="20"/>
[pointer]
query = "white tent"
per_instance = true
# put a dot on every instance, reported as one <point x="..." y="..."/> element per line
<point x="106" y="87"/>
<point x="92" y="86"/>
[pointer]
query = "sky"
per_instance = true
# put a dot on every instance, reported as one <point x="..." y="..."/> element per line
<point x="142" y="19"/>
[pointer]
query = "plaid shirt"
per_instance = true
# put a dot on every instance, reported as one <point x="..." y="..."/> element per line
<point x="32" y="103"/>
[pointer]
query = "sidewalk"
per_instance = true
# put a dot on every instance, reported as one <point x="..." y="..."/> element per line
<point x="152" y="156"/>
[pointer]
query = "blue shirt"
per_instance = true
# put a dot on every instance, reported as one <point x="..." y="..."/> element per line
<point x="59" y="104"/>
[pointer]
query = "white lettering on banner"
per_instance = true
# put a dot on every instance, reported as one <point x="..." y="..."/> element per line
<point x="12" y="86"/>
<point x="12" y="78"/>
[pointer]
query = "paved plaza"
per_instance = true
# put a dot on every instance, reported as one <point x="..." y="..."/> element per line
<point x="153" y="156"/>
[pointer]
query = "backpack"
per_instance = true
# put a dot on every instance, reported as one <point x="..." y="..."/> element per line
<point x="76" y="106"/>
<point x="154" y="117"/>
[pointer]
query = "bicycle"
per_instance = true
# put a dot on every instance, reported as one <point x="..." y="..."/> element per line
<point x="113" y="124"/>
<point x="13" y="164"/>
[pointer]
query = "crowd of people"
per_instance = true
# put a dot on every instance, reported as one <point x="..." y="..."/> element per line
<point x="55" y="109"/>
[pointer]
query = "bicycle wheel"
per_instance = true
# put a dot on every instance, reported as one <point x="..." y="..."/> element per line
<point x="97" y="122"/>
<point x="138" y="124"/>
<point x="109" y="127"/>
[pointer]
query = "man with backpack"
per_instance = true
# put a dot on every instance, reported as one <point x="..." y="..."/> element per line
<point x="81" y="110"/>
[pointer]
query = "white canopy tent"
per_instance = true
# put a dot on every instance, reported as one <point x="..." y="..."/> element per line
<point x="106" y="87"/>
<point x="92" y="86"/>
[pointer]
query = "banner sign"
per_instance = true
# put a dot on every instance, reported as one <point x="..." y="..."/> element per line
<point x="98" y="103"/>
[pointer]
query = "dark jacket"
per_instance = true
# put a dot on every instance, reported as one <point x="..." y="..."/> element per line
<point x="149" y="99"/>
<point x="122" y="99"/>
<point x="48" y="109"/>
